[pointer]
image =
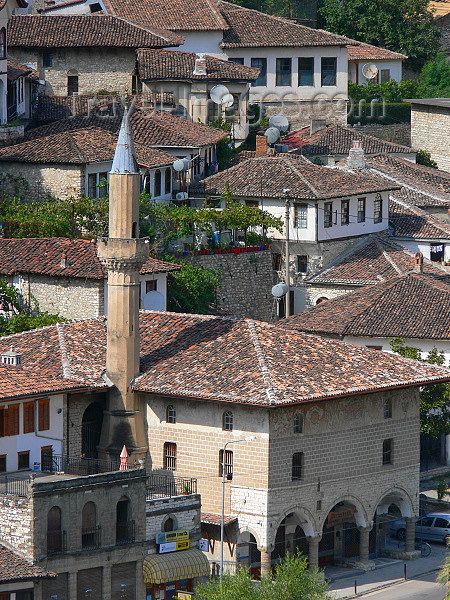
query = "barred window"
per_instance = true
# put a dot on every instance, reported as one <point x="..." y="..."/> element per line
<point x="227" y="424"/>
<point x="170" y="456"/>
<point x="297" y="466"/>
<point x="171" y="414"/>
<point x="227" y="464"/>
<point x="387" y="451"/>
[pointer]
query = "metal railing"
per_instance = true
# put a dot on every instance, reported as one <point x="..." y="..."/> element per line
<point x="14" y="485"/>
<point x="91" y="538"/>
<point x="56" y="542"/>
<point x="162" y="486"/>
<point x="125" y="532"/>
<point x="77" y="465"/>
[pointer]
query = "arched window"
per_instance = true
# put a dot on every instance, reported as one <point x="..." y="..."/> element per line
<point x="168" y="181"/>
<point x="89" y="526"/>
<point x="321" y="299"/>
<point x="2" y="43"/>
<point x="54" y="533"/>
<point x="298" y="423"/>
<point x="169" y="524"/>
<point x="171" y="414"/>
<point x="227" y="424"/>
<point x="157" y="183"/>
<point x="124" y="525"/>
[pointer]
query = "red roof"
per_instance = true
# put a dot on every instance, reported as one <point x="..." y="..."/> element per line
<point x="16" y="568"/>
<point x="413" y="222"/>
<point x="361" y="51"/>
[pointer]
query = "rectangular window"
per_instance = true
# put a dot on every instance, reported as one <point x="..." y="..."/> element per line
<point x="3" y="417"/>
<point x="72" y="85"/>
<point x="306" y="71"/>
<point x="388" y="408"/>
<point x="302" y="263"/>
<point x="301" y="216"/>
<point x="328" y="214"/>
<point x="23" y="460"/>
<point x="276" y="261"/>
<point x="92" y="185"/>
<point x="238" y="61"/>
<point x="297" y="466"/>
<point x="150" y="286"/>
<point x="170" y="456"/>
<point x="228" y="464"/>
<point x="437" y="252"/>
<point x="103" y="184"/>
<point x="13" y="419"/>
<point x="2" y="463"/>
<point x="361" y="210"/>
<point x="378" y="209"/>
<point x="261" y="64"/>
<point x="47" y="60"/>
<point x="387" y="451"/>
<point x="252" y="203"/>
<point x="385" y="75"/>
<point x="345" y="212"/>
<point x="283" y="72"/>
<point x="43" y="415"/>
<point x="328" y="71"/>
<point x="28" y="417"/>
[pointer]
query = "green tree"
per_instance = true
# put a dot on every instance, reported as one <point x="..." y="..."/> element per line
<point x="193" y="290"/>
<point x="434" y="79"/>
<point x="434" y="398"/>
<point x="291" y="580"/>
<point x="424" y="158"/>
<point x="404" y="26"/>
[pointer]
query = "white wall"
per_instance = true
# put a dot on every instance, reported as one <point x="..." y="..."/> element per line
<point x="395" y="67"/>
<point x="424" y="246"/>
<point x="203" y="41"/>
<point x="161" y="285"/>
<point x="423" y="344"/>
<point x="277" y="209"/>
<point x="271" y="91"/>
<point x="11" y="445"/>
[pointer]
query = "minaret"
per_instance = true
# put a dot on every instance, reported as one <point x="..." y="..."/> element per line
<point x="123" y="254"/>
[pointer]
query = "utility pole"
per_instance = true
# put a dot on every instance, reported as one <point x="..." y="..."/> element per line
<point x="286" y="255"/>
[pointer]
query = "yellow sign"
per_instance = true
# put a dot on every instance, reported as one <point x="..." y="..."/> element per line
<point x="183" y="545"/>
<point x="185" y="595"/>
<point x="172" y="536"/>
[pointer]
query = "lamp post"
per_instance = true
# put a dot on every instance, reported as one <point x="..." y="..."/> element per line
<point x="286" y="257"/>
<point x="247" y="439"/>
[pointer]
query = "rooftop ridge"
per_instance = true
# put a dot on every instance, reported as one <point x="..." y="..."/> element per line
<point x="270" y="389"/>
<point x="406" y="185"/>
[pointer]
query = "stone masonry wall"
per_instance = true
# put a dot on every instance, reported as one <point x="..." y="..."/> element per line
<point x="184" y="510"/>
<point x="301" y="113"/>
<point x="430" y="126"/>
<point x="245" y="282"/>
<point x="97" y="69"/>
<point x="60" y="181"/>
<point x="399" y="133"/>
<point x="16" y="525"/>
<point x="70" y="297"/>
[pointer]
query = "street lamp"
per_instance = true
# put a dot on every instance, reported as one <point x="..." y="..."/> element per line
<point x="247" y="439"/>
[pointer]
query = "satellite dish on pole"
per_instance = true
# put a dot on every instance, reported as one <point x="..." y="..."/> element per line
<point x="218" y="93"/>
<point x="279" y="290"/>
<point x="227" y="101"/>
<point x="370" y="71"/>
<point x="272" y="134"/>
<point x="181" y="164"/>
<point x="154" y="301"/>
<point x="280" y="122"/>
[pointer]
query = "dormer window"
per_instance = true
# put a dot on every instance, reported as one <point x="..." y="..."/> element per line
<point x="11" y="358"/>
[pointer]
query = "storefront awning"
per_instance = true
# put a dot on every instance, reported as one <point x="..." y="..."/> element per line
<point x="186" y="564"/>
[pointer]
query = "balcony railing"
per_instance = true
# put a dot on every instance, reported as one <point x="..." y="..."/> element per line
<point x="77" y="465"/>
<point x="56" y="542"/>
<point x="91" y="538"/>
<point x="14" y="485"/>
<point x="125" y="532"/>
<point x="162" y="486"/>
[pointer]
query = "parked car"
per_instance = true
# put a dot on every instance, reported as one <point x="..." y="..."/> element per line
<point x="434" y="527"/>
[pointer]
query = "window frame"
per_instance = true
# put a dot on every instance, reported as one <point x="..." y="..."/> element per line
<point x="282" y="72"/>
<point x="43" y="414"/>
<point x="302" y="70"/>
<point x="388" y="451"/>
<point x="226" y="465"/>
<point x="171" y="414"/>
<point x="328" y="215"/>
<point x="227" y="421"/>
<point x="361" y="210"/>
<point x="378" y="209"/>
<point x="302" y="263"/>
<point x="345" y="212"/>
<point x="28" y="412"/>
<point x="297" y="466"/>
<point x="13" y="419"/>
<point x="47" y="59"/>
<point x="20" y="455"/>
<point x="261" y="81"/>
<point x="157" y="178"/>
<point x="3" y="459"/>
<point x="387" y="408"/>
<point x="323" y="71"/>
<point x="300" y="216"/>
<point x="298" y="423"/>
<point x="170" y="456"/>
<point x="238" y="60"/>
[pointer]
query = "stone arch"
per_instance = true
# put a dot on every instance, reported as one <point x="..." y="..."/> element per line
<point x="398" y="496"/>
<point x="360" y="514"/>
<point x="169" y="519"/>
<point x="250" y="530"/>
<point x="305" y="518"/>
<point x="91" y="427"/>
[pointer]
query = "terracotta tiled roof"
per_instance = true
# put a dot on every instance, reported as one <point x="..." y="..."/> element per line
<point x="410" y="306"/>
<point x="370" y="261"/>
<point x="44" y="255"/>
<point x="335" y="139"/>
<point x="250" y="28"/>
<point x="210" y="358"/>
<point x="412" y="222"/>
<point x="17" y="69"/>
<point x="176" y="15"/>
<point x="422" y="186"/>
<point x="15" y="568"/>
<point x="81" y="146"/>
<point x="76" y="31"/>
<point x="363" y="51"/>
<point x="150" y="128"/>
<point x="173" y="64"/>
<point x="268" y="176"/>
<point x="214" y="519"/>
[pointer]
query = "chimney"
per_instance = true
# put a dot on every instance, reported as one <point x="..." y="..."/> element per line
<point x="418" y="267"/>
<point x="123" y="255"/>
<point x="261" y="145"/>
<point x="63" y="263"/>
<point x="200" y="65"/>
<point x="356" y="159"/>
<point x="11" y="358"/>
<point x="316" y="124"/>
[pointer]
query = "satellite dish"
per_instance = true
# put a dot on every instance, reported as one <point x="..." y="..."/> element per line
<point x="181" y="164"/>
<point x="280" y="122"/>
<point x="272" y="134"/>
<point x="218" y="92"/>
<point x="227" y="101"/>
<point x="154" y="301"/>
<point x="370" y="71"/>
<point x="279" y="290"/>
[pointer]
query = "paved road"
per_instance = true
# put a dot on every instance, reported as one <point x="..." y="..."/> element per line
<point x="424" y="588"/>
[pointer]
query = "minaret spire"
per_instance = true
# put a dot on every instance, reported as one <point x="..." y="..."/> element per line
<point x="123" y="254"/>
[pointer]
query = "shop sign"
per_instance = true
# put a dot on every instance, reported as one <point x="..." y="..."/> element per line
<point x="203" y="545"/>
<point x="172" y="536"/>
<point x="173" y="546"/>
<point x="185" y="596"/>
<point x="341" y="517"/>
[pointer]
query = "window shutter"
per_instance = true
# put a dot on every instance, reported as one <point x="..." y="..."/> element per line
<point x="28" y="417"/>
<point x="43" y="415"/>
<point x="3" y="420"/>
<point x="13" y="419"/>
